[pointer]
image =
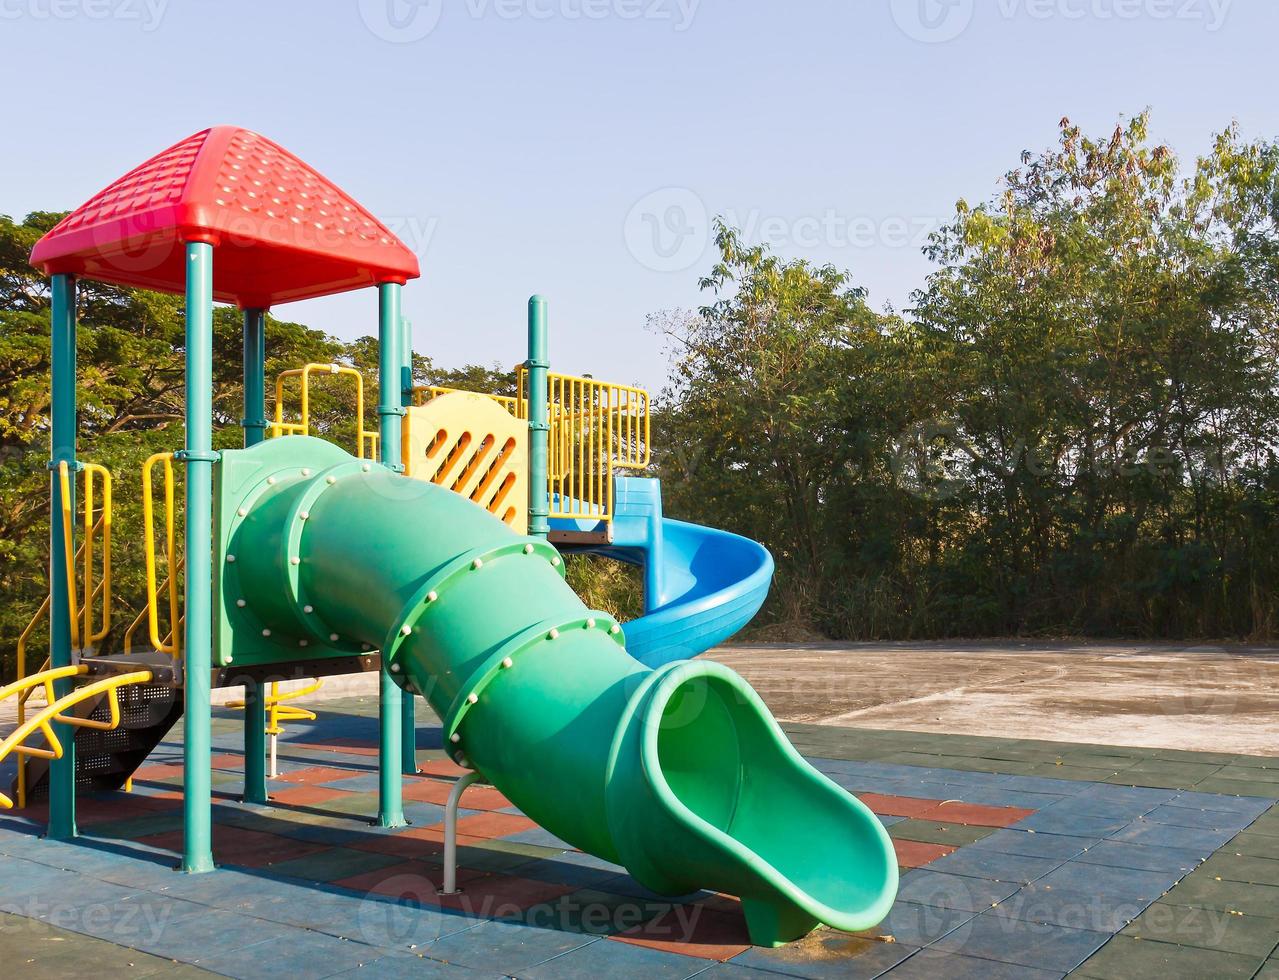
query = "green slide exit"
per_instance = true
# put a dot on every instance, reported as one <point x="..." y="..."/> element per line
<point x="680" y="774"/>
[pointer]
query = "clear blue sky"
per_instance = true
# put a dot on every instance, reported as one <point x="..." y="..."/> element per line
<point x="510" y="141"/>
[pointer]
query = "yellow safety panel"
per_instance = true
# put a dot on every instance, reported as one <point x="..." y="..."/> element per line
<point x="474" y="446"/>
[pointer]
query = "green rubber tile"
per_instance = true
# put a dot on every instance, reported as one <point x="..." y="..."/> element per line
<point x="1187" y="755"/>
<point x="1242" y="867"/>
<point x="1200" y="890"/>
<point x="1098" y="760"/>
<point x="1128" y="958"/>
<point x="1251" y="774"/>
<point x="334" y="864"/>
<point x="931" y="832"/>
<point x="1074" y="773"/>
<point x="1258" y="845"/>
<point x="134" y="827"/>
<point x="1250" y="935"/>
<point x="48" y="951"/>
<point x="1236" y="787"/>
<point x="598" y="913"/>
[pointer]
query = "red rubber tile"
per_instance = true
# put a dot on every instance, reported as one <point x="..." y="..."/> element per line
<point x="427" y="790"/>
<point x="314" y="775"/>
<point x="412" y="879"/>
<point x="484" y="798"/>
<point x="898" y="806"/>
<point x="972" y="815"/>
<point x="490" y="825"/>
<point x="303" y="795"/>
<point x="915" y="854"/>
<point x="692" y="930"/>
<point x="442" y="767"/>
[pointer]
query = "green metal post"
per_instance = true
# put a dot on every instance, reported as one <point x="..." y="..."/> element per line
<point x="254" y="426"/>
<point x="539" y="504"/>
<point x="390" y="412"/>
<point x="197" y="854"/>
<point x="408" y="705"/>
<point x="62" y="820"/>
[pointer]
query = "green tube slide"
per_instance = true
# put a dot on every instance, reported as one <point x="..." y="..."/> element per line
<point x="680" y="774"/>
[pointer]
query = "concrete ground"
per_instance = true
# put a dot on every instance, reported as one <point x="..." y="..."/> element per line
<point x="1205" y="698"/>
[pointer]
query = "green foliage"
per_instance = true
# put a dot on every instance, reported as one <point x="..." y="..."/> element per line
<point x="1072" y="432"/>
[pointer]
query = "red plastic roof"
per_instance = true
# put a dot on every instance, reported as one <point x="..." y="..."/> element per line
<point x="281" y="231"/>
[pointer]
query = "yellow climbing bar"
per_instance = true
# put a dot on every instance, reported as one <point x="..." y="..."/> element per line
<point x="170" y="644"/>
<point x="55" y="712"/>
<point x="366" y="441"/>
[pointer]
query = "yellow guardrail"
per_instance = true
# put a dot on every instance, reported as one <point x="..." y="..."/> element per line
<point x="367" y="442"/>
<point x="596" y="428"/>
<point x="513" y="404"/>
<point x="55" y="712"/>
<point x="170" y="643"/>
<point x="278" y="712"/>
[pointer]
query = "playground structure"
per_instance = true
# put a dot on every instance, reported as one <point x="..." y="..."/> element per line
<point x="431" y="554"/>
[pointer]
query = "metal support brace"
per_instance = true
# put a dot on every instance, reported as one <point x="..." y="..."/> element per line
<point x="450" y="831"/>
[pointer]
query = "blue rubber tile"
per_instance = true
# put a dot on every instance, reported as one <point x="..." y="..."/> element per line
<point x="1127" y="794"/>
<point x="998" y="796"/>
<point x="561" y="872"/>
<point x="357" y="784"/>
<point x="925" y="887"/>
<point x="1032" y="844"/>
<point x="24" y="880"/>
<point x="1116" y="882"/>
<point x="1071" y="908"/>
<point x="932" y="964"/>
<point x="215" y="933"/>
<point x="912" y="925"/>
<point x="507" y="947"/>
<point x="1141" y="857"/>
<point x="1043" y="784"/>
<point x="1166" y="835"/>
<point x="409" y="966"/>
<point x="1247" y="807"/>
<point x="1071" y="824"/>
<point x="843" y="959"/>
<point x="144" y="915"/>
<point x="1023" y="943"/>
<point x="996" y="865"/>
<point x="1119" y="811"/>
<point x="1182" y="816"/>
<point x="540" y="837"/>
<point x="605" y="959"/>
<point x="888" y="821"/>
<point x="297" y="953"/>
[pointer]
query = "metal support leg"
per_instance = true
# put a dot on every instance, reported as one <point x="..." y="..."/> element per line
<point x="254" y="426"/>
<point x="62" y="821"/>
<point x="197" y="852"/>
<point x="450" y="831"/>
<point x="408" y="733"/>
<point x="390" y="412"/>
<point x="539" y="504"/>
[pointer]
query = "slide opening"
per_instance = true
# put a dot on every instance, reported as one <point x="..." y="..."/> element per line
<point x="723" y="758"/>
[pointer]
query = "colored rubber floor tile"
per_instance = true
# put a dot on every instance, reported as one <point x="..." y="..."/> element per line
<point x="693" y="931"/>
<point x="1020" y="942"/>
<point x="1206" y="928"/>
<point x="1126" y="958"/>
<point x="934" y="964"/>
<point x="826" y="955"/>
<point x="947" y="891"/>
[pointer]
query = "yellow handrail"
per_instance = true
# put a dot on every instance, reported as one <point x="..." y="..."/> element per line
<point x="170" y="539"/>
<point x="424" y="393"/>
<point x="302" y="427"/>
<point x="68" y="522"/>
<point x="54" y="712"/>
<point x="99" y="526"/>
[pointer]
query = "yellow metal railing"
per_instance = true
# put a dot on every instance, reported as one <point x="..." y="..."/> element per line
<point x="596" y="428"/>
<point x="55" y="712"/>
<point x="513" y="404"/>
<point x="367" y="442"/>
<point x="278" y="712"/>
<point x="171" y="586"/>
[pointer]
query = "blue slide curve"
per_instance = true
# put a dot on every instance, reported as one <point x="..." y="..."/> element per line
<point x="701" y="585"/>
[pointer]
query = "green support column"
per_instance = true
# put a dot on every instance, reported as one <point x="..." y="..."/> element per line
<point x="408" y="705"/>
<point x="390" y="412"/>
<point x="197" y="853"/>
<point x="254" y="426"/>
<point x="539" y="504"/>
<point x="62" y="820"/>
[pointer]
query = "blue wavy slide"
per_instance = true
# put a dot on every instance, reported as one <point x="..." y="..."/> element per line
<point x="701" y="585"/>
